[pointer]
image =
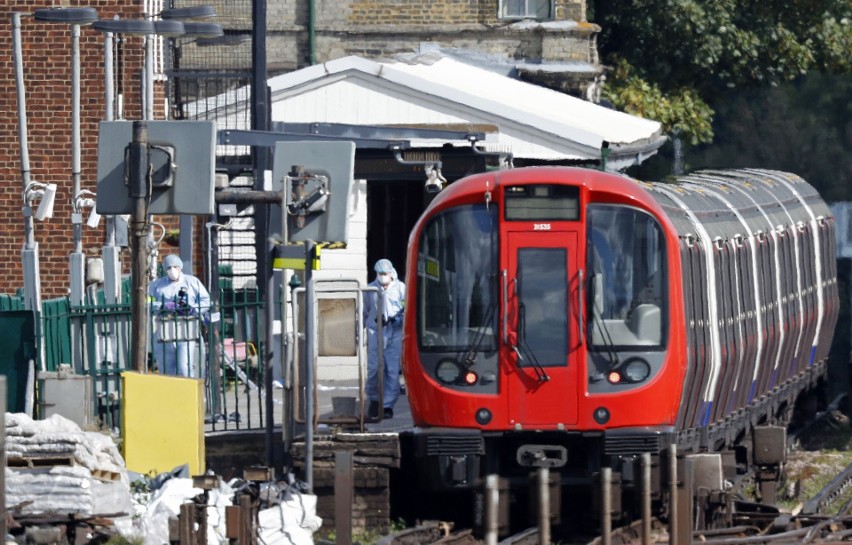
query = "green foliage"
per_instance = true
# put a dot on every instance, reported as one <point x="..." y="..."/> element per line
<point x="803" y="127"/>
<point x="682" y="110"/>
<point x="683" y="53"/>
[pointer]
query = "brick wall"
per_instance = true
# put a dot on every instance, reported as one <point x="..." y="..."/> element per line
<point x="46" y="55"/>
<point x="374" y="455"/>
<point x="47" y="74"/>
<point x="386" y="28"/>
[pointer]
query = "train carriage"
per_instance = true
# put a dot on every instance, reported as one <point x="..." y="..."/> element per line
<point x="573" y="319"/>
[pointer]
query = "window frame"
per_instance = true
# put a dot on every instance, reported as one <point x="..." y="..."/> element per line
<point x="503" y="11"/>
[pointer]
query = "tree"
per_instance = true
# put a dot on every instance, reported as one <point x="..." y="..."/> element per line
<point x="672" y="57"/>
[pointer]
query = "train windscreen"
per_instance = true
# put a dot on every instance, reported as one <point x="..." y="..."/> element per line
<point x="457" y="280"/>
<point x="626" y="277"/>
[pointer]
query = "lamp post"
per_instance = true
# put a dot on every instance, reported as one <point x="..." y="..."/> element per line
<point x="75" y="19"/>
<point x="29" y="253"/>
<point x="169" y="24"/>
<point x="110" y="252"/>
<point x="137" y="183"/>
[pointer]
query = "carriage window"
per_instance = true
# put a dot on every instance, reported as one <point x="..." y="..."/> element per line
<point x="457" y="280"/>
<point x="542" y="306"/>
<point x="626" y="276"/>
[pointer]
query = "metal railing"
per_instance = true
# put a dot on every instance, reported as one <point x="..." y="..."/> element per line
<point x="93" y="339"/>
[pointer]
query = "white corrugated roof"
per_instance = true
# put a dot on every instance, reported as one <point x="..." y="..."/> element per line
<point x="533" y="121"/>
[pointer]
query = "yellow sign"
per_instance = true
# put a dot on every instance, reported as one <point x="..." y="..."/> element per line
<point x="162" y="423"/>
<point x="292" y="256"/>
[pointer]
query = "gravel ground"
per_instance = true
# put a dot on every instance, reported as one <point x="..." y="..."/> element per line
<point x="817" y="458"/>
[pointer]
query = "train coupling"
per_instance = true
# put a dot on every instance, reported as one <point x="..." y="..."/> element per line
<point x="542" y="456"/>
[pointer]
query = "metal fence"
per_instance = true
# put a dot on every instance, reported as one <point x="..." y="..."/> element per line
<point x="94" y="340"/>
<point x="203" y="72"/>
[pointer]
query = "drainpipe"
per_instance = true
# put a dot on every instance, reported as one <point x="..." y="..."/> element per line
<point x="604" y="155"/>
<point x="312" y="45"/>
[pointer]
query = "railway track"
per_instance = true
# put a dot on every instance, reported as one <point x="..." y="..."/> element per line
<point x="808" y="524"/>
<point x="432" y="534"/>
<point x="829" y="493"/>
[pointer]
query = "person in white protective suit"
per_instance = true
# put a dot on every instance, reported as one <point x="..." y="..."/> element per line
<point x="178" y="295"/>
<point x="392" y="291"/>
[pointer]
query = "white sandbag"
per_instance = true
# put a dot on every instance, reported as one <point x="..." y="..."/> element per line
<point x="293" y="522"/>
<point x="150" y="521"/>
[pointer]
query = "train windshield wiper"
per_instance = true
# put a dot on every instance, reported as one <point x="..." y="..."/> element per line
<point x="600" y="323"/>
<point x="525" y="352"/>
<point x="468" y="358"/>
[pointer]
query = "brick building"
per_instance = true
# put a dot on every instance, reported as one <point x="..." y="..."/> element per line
<point x="543" y="41"/>
<point x="548" y="42"/>
<point x="46" y="53"/>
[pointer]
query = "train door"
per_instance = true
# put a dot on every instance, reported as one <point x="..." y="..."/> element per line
<point x="542" y="324"/>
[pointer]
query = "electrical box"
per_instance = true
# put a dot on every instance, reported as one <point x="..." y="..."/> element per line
<point x="69" y="395"/>
<point x="317" y="177"/>
<point x="182" y="160"/>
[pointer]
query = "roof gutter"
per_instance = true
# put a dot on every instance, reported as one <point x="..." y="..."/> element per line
<point x="632" y="153"/>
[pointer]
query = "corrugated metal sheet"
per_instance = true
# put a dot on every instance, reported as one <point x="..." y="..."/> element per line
<point x="533" y="122"/>
<point x="433" y="90"/>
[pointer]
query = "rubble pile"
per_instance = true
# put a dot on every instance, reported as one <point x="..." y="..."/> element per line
<point x="56" y="468"/>
<point x="56" y="472"/>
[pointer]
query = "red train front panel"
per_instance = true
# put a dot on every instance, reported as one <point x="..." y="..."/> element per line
<point x="544" y="299"/>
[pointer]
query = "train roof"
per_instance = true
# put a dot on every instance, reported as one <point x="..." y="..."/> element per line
<point x="720" y="204"/>
<point x="737" y="203"/>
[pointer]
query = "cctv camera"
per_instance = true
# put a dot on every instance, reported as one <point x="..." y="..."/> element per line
<point x="434" y="181"/>
<point x="433" y="186"/>
<point x="45" y="207"/>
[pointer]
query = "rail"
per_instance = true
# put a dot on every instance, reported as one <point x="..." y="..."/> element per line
<point x="93" y="340"/>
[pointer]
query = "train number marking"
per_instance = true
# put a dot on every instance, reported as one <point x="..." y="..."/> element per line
<point x="541" y="227"/>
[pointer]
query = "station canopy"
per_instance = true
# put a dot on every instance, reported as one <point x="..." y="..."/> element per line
<point x="437" y="91"/>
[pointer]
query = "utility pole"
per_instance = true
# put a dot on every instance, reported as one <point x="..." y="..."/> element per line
<point x="265" y="276"/>
<point x="138" y="188"/>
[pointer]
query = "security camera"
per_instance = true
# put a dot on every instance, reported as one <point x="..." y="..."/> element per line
<point x="433" y="186"/>
<point x="45" y="207"/>
<point x="434" y="181"/>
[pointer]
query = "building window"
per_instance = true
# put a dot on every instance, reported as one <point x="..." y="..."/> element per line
<point x="526" y="9"/>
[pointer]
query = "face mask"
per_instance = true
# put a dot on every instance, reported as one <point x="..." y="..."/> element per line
<point x="384" y="279"/>
<point x="173" y="273"/>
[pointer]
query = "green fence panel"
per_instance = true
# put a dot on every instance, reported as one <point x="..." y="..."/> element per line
<point x="56" y="317"/>
<point x="11" y="302"/>
<point x="18" y="346"/>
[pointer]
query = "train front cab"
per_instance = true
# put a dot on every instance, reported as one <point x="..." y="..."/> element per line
<point x="537" y="325"/>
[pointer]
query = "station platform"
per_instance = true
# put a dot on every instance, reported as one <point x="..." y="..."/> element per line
<point x="247" y="403"/>
<point x="329" y="420"/>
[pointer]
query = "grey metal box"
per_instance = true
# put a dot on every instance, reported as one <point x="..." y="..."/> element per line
<point x="69" y="395"/>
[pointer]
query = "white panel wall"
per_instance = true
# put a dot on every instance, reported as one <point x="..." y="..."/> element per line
<point x="344" y="264"/>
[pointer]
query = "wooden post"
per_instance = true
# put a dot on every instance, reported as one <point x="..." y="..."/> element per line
<point x="343" y="497"/>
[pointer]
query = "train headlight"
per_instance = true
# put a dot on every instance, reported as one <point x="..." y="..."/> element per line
<point x="448" y="371"/>
<point x="636" y="370"/>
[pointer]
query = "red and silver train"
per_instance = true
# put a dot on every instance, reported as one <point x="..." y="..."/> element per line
<point x="575" y="319"/>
